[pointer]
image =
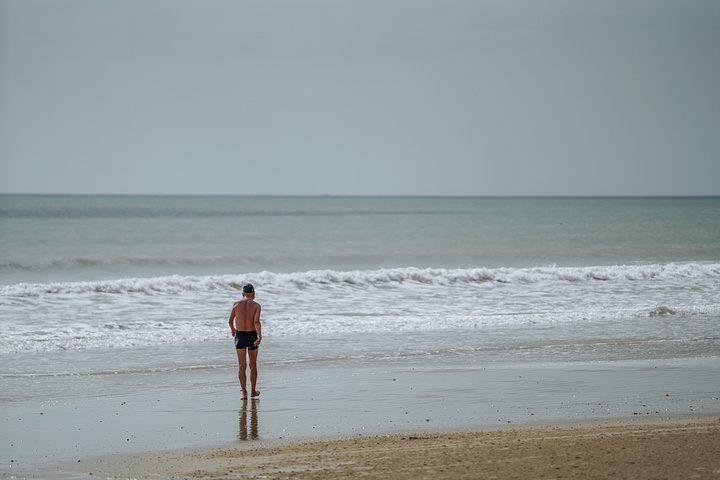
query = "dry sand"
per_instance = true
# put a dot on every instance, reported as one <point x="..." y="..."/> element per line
<point x="674" y="448"/>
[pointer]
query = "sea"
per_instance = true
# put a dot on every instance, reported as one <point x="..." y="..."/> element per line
<point x="101" y="294"/>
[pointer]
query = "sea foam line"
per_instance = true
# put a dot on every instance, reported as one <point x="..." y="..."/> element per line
<point x="324" y="279"/>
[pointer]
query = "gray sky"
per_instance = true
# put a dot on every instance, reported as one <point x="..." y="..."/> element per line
<point x="358" y="97"/>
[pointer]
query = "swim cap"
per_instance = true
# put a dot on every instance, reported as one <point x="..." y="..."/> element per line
<point x="248" y="288"/>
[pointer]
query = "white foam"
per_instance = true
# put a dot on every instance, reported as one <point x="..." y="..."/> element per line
<point x="324" y="279"/>
<point x="154" y="311"/>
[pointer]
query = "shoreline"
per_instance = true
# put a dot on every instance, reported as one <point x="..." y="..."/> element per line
<point x="640" y="448"/>
<point x="123" y="416"/>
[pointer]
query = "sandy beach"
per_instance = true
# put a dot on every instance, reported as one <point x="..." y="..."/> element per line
<point x="631" y="448"/>
<point x="378" y="419"/>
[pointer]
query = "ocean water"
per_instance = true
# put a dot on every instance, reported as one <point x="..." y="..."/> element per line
<point x="85" y="273"/>
<point x="100" y="294"/>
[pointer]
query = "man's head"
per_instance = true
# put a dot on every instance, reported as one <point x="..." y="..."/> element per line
<point x="248" y="290"/>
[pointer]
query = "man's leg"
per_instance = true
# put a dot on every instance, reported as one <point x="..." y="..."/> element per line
<point x="242" y="361"/>
<point x="253" y="371"/>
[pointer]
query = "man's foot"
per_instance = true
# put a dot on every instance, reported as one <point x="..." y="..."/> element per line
<point x="244" y="397"/>
<point x="255" y="393"/>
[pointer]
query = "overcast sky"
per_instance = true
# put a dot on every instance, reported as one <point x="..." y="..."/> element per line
<point x="360" y="97"/>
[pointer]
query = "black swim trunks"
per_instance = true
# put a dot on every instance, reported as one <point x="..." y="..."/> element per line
<point x="245" y="340"/>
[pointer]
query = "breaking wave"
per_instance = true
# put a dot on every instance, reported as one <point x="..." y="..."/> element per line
<point x="328" y="279"/>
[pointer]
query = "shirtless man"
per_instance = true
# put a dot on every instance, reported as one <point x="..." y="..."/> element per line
<point x="245" y="327"/>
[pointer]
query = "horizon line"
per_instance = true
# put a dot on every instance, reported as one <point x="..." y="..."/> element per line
<point x="221" y="195"/>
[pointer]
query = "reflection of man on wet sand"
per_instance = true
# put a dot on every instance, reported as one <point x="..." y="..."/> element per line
<point x="243" y="433"/>
<point x="245" y="327"/>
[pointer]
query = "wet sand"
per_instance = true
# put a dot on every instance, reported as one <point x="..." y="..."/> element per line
<point x="637" y="449"/>
<point x="142" y="416"/>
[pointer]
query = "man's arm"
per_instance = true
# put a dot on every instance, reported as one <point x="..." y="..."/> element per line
<point x="258" y="327"/>
<point x="231" y="322"/>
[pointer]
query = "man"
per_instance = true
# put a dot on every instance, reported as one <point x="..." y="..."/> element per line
<point x="245" y="327"/>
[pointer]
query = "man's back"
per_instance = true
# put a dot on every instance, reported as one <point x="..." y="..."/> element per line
<point x="246" y="313"/>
